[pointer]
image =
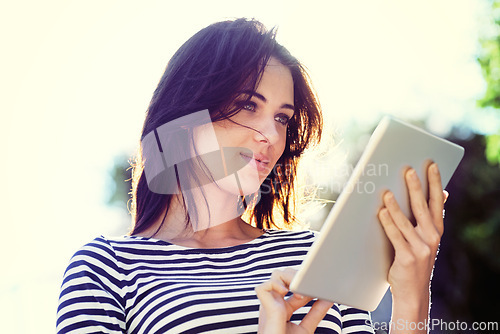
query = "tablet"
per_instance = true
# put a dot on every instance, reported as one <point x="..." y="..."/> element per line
<point x="349" y="261"/>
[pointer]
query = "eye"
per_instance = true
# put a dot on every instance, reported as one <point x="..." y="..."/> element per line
<point x="248" y="105"/>
<point x="282" y="118"/>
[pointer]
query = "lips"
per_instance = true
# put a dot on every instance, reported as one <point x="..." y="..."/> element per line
<point x="259" y="161"/>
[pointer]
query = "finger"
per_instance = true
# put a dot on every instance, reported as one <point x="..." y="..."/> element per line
<point x="284" y="277"/>
<point x="392" y="231"/>
<point x="418" y="201"/>
<point x="278" y="282"/>
<point x="436" y="197"/>
<point x="446" y="195"/>
<point x="400" y="219"/>
<point x="287" y="275"/>
<point x="272" y="285"/>
<point x="315" y="315"/>
<point x="295" y="302"/>
<point x="404" y="251"/>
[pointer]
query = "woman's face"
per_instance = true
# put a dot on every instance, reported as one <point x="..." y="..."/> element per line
<point x="255" y="138"/>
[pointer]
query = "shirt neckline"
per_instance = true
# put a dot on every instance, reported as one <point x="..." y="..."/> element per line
<point x="214" y="249"/>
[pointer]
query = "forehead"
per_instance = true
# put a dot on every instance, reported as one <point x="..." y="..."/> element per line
<point x="276" y="81"/>
<point x="274" y="66"/>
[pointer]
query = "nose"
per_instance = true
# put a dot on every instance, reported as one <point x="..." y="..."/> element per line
<point x="266" y="131"/>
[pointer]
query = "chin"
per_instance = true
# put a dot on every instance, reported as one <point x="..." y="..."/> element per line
<point x="244" y="182"/>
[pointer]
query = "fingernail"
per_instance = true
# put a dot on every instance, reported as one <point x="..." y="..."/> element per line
<point x="412" y="174"/>
<point x="388" y="196"/>
<point x="435" y="168"/>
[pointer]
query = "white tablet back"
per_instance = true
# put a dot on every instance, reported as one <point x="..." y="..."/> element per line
<point x="350" y="260"/>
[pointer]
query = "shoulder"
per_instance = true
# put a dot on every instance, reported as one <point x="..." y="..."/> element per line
<point x="111" y="252"/>
<point x="95" y="260"/>
<point x="106" y="258"/>
<point x="98" y="249"/>
<point x="111" y="247"/>
<point x="99" y="265"/>
<point x="91" y="294"/>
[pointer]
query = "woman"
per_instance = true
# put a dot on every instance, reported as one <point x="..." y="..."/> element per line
<point x="222" y="137"/>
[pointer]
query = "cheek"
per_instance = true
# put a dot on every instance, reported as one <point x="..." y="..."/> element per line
<point x="227" y="133"/>
<point x="205" y="139"/>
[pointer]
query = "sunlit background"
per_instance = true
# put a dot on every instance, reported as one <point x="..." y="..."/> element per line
<point x="76" y="78"/>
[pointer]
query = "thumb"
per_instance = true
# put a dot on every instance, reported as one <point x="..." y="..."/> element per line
<point x="295" y="302"/>
<point x="315" y="315"/>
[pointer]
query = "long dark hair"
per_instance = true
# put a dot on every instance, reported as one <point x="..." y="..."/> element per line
<point x="209" y="71"/>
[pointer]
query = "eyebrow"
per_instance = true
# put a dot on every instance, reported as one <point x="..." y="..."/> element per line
<point x="263" y="99"/>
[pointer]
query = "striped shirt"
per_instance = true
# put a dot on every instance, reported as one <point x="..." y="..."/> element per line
<point x="134" y="284"/>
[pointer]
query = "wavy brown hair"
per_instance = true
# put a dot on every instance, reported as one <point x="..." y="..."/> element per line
<point x="208" y="72"/>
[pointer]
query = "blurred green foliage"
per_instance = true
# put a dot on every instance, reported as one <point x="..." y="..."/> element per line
<point x="120" y="187"/>
<point x="493" y="148"/>
<point x="489" y="59"/>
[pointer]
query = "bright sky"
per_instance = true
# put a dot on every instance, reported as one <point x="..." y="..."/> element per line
<point x="77" y="76"/>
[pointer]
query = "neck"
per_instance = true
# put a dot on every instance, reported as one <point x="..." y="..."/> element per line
<point x="211" y="207"/>
<point x="215" y="220"/>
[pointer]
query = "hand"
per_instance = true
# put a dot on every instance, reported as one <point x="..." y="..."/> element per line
<point x="275" y="311"/>
<point x="415" y="246"/>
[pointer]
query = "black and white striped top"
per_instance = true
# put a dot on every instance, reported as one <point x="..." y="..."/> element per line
<point x="142" y="285"/>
